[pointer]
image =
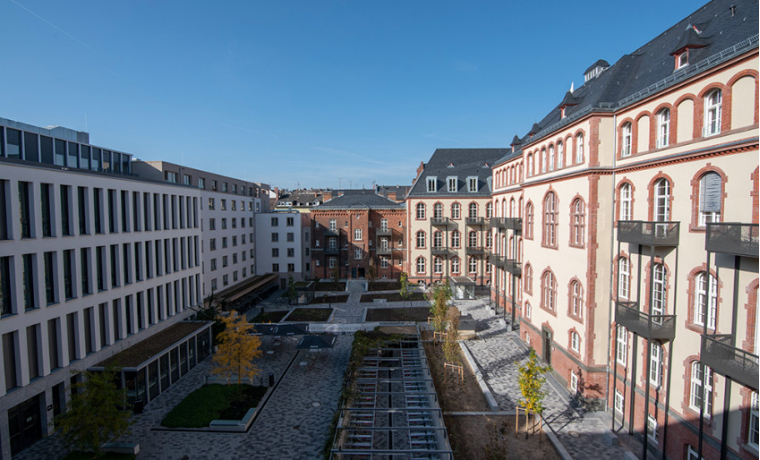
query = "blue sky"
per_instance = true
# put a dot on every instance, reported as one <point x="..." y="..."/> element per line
<point x="310" y="93"/>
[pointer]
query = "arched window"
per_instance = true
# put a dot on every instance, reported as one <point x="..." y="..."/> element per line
<point x="528" y="314"/>
<point x="576" y="299"/>
<point x="626" y="202"/>
<point x="701" y="304"/>
<point x="548" y="291"/>
<point x="528" y="278"/>
<point x="624" y="277"/>
<point x="701" y="387"/>
<point x="512" y="208"/>
<point x="659" y="298"/>
<point x="662" y="200"/>
<point x="713" y="105"/>
<point x="473" y="262"/>
<point x="472" y="239"/>
<point x="421" y="211"/>
<point x="551" y="158"/>
<point x="655" y="365"/>
<point x="456" y="211"/>
<point x="575" y="342"/>
<point x="560" y="155"/>
<point x="710" y="186"/>
<point x="437" y="239"/>
<point x="438" y="211"/>
<point x="455" y="239"/>
<point x="420" y="265"/>
<point x="550" y="220"/>
<point x="545" y="158"/>
<point x="579" y="148"/>
<point x="438" y="265"/>
<point x="489" y="210"/>
<point x="529" y="221"/>
<point x="455" y="265"/>
<point x="473" y="210"/>
<point x="663" y="128"/>
<point x="622" y="345"/>
<point x="578" y="225"/>
<point x="421" y="239"/>
<point x="627" y="140"/>
<point x="489" y="239"/>
<point x="530" y="164"/>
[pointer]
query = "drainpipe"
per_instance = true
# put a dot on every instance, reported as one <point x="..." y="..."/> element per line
<point x="612" y="280"/>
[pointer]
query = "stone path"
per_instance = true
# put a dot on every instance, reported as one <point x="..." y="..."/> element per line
<point x="499" y="354"/>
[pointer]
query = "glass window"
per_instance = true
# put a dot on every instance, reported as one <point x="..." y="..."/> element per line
<point x="622" y="345"/>
<point x="627" y="140"/>
<point x="420" y="239"/>
<point x="431" y="185"/>
<point x="626" y="202"/>
<point x="579" y="149"/>
<point x="550" y="220"/>
<point x="710" y="186"/>
<point x="701" y="387"/>
<point x="663" y="128"/>
<point x="713" y="105"/>
<point x="700" y="300"/>
<point x="624" y="277"/>
<point x="420" y="265"/>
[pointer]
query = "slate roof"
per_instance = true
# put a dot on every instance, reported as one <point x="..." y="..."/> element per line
<point x="651" y="68"/>
<point x="359" y="200"/>
<point x="462" y="163"/>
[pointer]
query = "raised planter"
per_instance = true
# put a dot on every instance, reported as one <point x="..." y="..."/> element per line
<point x="234" y="426"/>
<point x="125" y="448"/>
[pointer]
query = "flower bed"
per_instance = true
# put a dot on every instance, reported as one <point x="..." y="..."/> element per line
<point x="213" y="402"/>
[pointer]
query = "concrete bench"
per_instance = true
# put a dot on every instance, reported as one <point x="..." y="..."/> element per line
<point x="379" y="300"/>
<point x="126" y="448"/>
<point x="234" y="425"/>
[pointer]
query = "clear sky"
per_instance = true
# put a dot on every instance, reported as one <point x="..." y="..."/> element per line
<point x="310" y="93"/>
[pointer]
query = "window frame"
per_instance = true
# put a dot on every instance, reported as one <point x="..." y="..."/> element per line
<point x="626" y="144"/>
<point x="713" y="113"/>
<point x="662" y="135"/>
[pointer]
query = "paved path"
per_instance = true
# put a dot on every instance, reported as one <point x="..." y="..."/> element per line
<point x="499" y="353"/>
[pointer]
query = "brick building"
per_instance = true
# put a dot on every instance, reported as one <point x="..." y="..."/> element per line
<point x="361" y="234"/>
<point x="623" y="277"/>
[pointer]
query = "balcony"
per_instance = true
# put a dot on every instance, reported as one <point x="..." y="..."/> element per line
<point x="513" y="223"/>
<point x="384" y="232"/>
<point x="476" y="221"/>
<point x="658" y="327"/>
<point x="648" y="233"/>
<point x="441" y="222"/>
<point x="475" y="250"/>
<point x="498" y="222"/>
<point x="440" y="251"/>
<point x="384" y="251"/>
<point x="514" y="267"/>
<point x="330" y="232"/>
<point x="496" y="260"/>
<point x="732" y="238"/>
<point x="725" y="359"/>
<point x="332" y="251"/>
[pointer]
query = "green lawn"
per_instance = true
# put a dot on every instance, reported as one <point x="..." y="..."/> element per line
<point x="270" y="317"/>
<point x="310" y="314"/>
<point x="213" y="402"/>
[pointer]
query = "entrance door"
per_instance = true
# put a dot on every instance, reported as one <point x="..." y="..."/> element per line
<point x="361" y="272"/>
<point x="547" y="346"/>
<point x="25" y="427"/>
<point x="353" y="273"/>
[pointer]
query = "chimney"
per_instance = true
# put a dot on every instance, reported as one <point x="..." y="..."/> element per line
<point x="392" y="196"/>
<point x="420" y="168"/>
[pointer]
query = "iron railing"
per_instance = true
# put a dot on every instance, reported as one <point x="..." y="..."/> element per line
<point x="732" y="238"/>
<point x="738" y="365"/>
<point x="648" y="233"/>
<point x="659" y="327"/>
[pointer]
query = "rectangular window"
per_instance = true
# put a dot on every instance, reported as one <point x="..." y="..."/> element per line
<point x="114" y="265"/>
<point x="84" y="264"/>
<point x="291" y="268"/>
<point x="30" y="301"/>
<point x="652" y="429"/>
<point x="47" y="211"/>
<point x="291" y="252"/>
<point x="452" y="184"/>
<point x="100" y="267"/>
<point x="291" y="237"/>
<point x="72" y="329"/>
<point x="30" y="147"/>
<point x="54" y="343"/>
<point x="112" y="216"/>
<point x="754" y="421"/>
<point x="4" y="206"/>
<point x="124" y="211"/>
<point x="83" y="209"/>
<point x="358" y="234"/>
<point x="9" y="360"/>
<point x="33" y="351"/>
<point x="289" y="221"/>
<point x="275" y="237"/>
<point x="619" y="401"/>
<point x="46" y="149"/>
<point x="68" y="274"/>
<point x="66" y="227"/>
<point x="622" y="345"/>
<point x="6" y="303"/>
<point x="472" y="184"/>
<point x="98" y="198"/>
<point x="432" y="185"/>
<point x="13" y="140"/>
<point x="25" y="209"/>
<point x="201" y="183"/>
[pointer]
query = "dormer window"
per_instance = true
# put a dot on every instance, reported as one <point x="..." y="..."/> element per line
<point x="472" y="184"/>
<point x="452" y="183"/>
<point x="431" y="185"/>
<point x="682" y="59"/>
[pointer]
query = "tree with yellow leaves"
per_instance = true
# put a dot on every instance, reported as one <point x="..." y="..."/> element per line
<point x="237" y="349"/>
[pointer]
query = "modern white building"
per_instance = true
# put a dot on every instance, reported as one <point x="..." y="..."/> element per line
<point x="283" y="245"/>
<point x="92" y="261"/>
<point x="227" y="211"/>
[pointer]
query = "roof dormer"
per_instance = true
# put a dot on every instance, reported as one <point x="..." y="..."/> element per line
<point x="596" y="68"/>
<point x="690" y="39"/>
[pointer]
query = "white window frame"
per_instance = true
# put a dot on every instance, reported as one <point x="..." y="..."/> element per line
<point x="575" y="342"/>
<point x="333" y="225"/>
<point x="560" y="155"/>
<point x="472" y="184"/>
<point x="383" y="262"/>
<point x="619" y="401"/>
<point x="659" y="292"/>
<point x="663" y="128"/>
<point x="579" y="149"/>
<point x="420" y="264"/>
<point x="421" y="211"/>
<point x="438" y="239"/>
<point x="713" y="109"/>
<point x="697" y="390"/>
<point x="652" y="426"/>
<point x="455" y="265"/>
<point x="708" y="216"/>
<point x="573" y="381"/>
<point x="626" y="202"/>
<point x="358" y="253"/>
<point x="662" y="200"/>
<point x="622" y="346"/>
<point x="438" y="211"/>
<point x="473" y="265"/>
<point x="456" y="239"/>
<point x="421" y="237"/>
<point x="437" y="265"/>
<point x="545" y="157"/>
<point x="627" y="140"/>
<point x="655" y="365"/>
<point x="624" y="277"/>
<point x="551" y="157"/>
<point x="489" y="210"/>
<point x="432" y="184"/>
<point x="357" y="234"/>
<point x="451" y="184"/>
<point x="333" y="262"/>
<point x="456" y="211"/>
<point x="754" y="420"/>
<point x="700" y="300"/>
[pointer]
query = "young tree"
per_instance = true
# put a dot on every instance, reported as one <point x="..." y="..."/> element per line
<point x="404" y="280"/>
<point x="237" y="349"/>
<point x="291" y="292"/>
<point x="450" y="339"/>
<point x="531" y="380"/>
<point x="95" y="414"/>
<point x="440" y="306"/>
<point x="335" y="274"/>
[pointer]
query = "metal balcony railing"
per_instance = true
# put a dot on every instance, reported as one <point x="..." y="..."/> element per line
<point x="725" y="359"/>
<point x="476" y="221"/>
<point x="498" y="222"/>
<point x="440" y="250"/>
<point x="514" y="267"/>
<point x="648" y="233"/>
<point x="332" y="251"/>
<point x="496" y="260"/>
<point x="732" y="238"/>
<point x="384" y="232"/>
<point x="384" y="251"/>
<point x="660" y="327"/>
<point x="330" y="232"/>
<point x="513" y="223"/>
<point x="474" y="250"/>
<point x="441" y="221"/>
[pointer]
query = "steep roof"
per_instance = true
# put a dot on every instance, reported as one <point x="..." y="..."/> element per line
<point x="714" y="33"/>
<point x="462" y="163"/>
<point x="359" y="201"/>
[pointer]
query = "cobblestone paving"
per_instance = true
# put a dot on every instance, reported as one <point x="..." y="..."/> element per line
<point x="499" y="354"/>
<point x="289" y="426"/>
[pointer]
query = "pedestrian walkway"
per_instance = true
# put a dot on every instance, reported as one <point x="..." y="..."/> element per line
<point x="499" y="353"/>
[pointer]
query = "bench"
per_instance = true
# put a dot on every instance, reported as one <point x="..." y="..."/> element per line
<point x="126" y="448"/>
<point x="234" y="425"/>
